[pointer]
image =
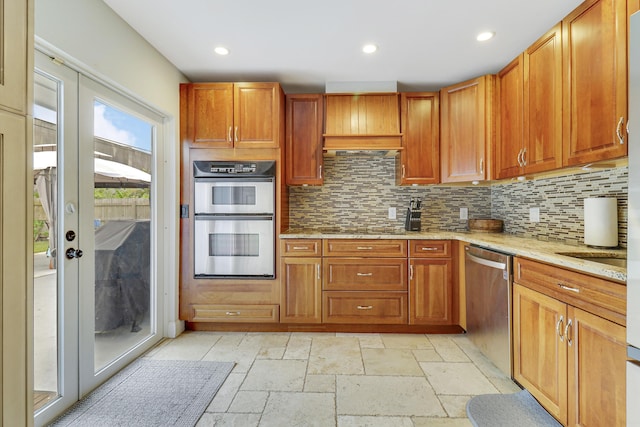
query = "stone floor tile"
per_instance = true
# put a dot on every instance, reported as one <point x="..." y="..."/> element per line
<point x="265" y="339"/>
<point x="242" y="356"/>
<point x="363" y="421"/>
<point x="187" y="346"/>
<point x="298" y="347"/>
<point x="226" y="393"/>
<point x="402" y="396"/>
<point x="410" y="341"/>
<point x="372" y="340"/>
<point x="276" y="375"/>
<point x="505" y="385"/>
<point x="478" y="358"/>
<point x="335" y="355"/>
<point x="299" y="410"/>
<point x="271" y="353"/>
<point x="455" y="405"/>
<point x="390" y="361"/>
<point x="229" y="420"/>
<point x="320" y="383"/>
<point x="456" y="378"/>
<point x="448" y="349"/>
<point x="248" y="402"/>
<point x="430" y="355"/>
<point x="441" y="422"/>
<point x="231" y="338"/>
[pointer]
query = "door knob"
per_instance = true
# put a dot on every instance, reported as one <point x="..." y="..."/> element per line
<point x="70" y="235"/>
<point x="73" y="253"/>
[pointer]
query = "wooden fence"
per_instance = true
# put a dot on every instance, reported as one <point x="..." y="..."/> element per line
<point x="109" y="209"/>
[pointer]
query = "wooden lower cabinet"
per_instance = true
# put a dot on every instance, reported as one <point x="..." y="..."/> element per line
<point x="365" y="307"/>
<point x="430" y="292"/>
<point x="241" y="313"/>
<point x="301" y="284"/>
<point x="572" y="361"/>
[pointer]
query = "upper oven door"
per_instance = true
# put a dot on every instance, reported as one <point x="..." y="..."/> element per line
<point x="234" y="196"/>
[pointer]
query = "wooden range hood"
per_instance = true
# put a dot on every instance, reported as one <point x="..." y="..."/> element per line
<point x="367" y="122"/>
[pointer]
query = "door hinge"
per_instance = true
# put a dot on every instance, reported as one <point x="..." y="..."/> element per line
<point x="184" y="211"/>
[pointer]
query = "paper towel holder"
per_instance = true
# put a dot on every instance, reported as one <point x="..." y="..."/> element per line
<point x="601" y="222"/>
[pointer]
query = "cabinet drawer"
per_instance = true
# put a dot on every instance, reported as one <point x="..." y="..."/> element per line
<point x="598" y="296"/>
<point x="369" y="274"/>
<point x="364" y="307"/>
<point x="430" y="248"/>
<point x="365" y="248"/>
<point x="263" y="313"/>
<point x="299" y="247"/>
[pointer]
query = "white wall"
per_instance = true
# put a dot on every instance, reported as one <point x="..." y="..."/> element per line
<point x="88" y="34"/>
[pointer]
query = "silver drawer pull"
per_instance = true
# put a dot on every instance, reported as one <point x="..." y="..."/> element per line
<point x="428" y="248"/>
<point x="365" y="307"/>
<point x="364" y="274"/>
<point x="364" y="248"/>
<point x="559" y="328"/>
<point x="300" y="248"/>
<point x="569" y="288"/>
<point x="232" y="313"/>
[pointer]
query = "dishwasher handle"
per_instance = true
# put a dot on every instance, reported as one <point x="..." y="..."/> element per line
<point x="487" y="262"/>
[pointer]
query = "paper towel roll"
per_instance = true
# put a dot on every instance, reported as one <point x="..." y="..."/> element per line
<point x="601" y="221"/>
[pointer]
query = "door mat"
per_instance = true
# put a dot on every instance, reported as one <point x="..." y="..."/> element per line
<point x="151" y="393"/>
<point x="507" y="410"/>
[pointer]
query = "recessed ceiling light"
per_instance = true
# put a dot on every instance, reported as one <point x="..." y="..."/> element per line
<point x="483" y="37"/>
<point x="221" y="50"/>
<point x="369" y="48"/>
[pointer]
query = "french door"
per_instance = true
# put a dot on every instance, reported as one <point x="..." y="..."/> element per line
<point x="96" y="225"/>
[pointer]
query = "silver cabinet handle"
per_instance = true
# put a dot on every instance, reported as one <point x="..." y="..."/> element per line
<point x="299" y="248"/>
<point x="364" y="307"/>
<point x="520" y="158"/>
<point x="232" y="313"/>
<point x="569" y="288"/>
<point x="524" y="157"/>
<point x="236" y="134"/>
<point x="559" y="328"/>
<point x="403" y="171"/>
<point x="482" y="166"/>
<point x="411" y="272"/>
<point x="619" y="130"/>
<point x="229" y="134"/>
<point x="429" y="248"/>
<point x="364" y="248"/>
<point x="364" y="274"/>
<point x="320" y="167"/>
<point x="318" y="269"/>
<point x="567" y="330"/>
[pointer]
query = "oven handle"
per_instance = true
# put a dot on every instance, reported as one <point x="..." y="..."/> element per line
<point x="234" y="178"/>
<point x="233" y="217"/>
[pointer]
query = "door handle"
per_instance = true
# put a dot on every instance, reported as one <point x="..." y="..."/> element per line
<point x="364" y="274"/>
<point x="364" y="307"/>
<point x="72" y="253"/>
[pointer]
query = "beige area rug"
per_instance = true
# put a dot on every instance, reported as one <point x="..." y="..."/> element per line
<point x="151" y="393"/>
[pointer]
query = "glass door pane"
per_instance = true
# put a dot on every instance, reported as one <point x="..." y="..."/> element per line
<point x="45" y="232"/>
<point x="122" y="220"/>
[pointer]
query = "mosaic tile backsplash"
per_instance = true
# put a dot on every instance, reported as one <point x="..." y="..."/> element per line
<point x="358" y="191"/>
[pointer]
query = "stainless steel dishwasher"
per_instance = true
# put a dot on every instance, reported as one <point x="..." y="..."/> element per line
<point x="488" y="293"/>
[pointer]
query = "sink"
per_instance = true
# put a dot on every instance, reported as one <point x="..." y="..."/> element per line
<point x="616" y="260"/>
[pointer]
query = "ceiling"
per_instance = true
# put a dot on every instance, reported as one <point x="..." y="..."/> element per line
<point x="422" y="44"/>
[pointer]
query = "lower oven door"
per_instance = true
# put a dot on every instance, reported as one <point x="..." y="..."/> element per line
<point x="234" y="246"/>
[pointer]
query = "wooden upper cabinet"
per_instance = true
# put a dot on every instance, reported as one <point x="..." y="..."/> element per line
<point x="232" y="115"/>
<point x="509" y="127"/>
<point x="595" y="67"/>
<point x="303" y="136"/>
<point x="14" y="66"/>
<point x="466" y="130"/>
<point x="634" y="6"/>
<point x="420" y="123"/>
<point x="542" y="149"/>
<point x="362" y="121"/>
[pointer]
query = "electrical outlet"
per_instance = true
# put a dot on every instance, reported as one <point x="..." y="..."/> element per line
<point x="534" y="214"/>
<point x="392" y="213"/>
<point x="464" y="213"/>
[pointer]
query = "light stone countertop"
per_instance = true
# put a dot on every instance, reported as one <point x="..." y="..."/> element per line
<point x="545" y="251"/>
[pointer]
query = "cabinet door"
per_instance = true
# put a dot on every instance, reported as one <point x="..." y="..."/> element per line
<point x="301" y="290"/>
<point x="304" y="139"/>
<point x="597" y="370"/>
<point x="430" y="292"/>
<point x="595" y="65"/>
<point x="209" y="110"/>
<point x="13" y="55"/>
<point x="256" y="115"/>
<point x="420" y="157"/>
<point x="509" y="129"/>
<point x="543" y="103"/>
<point x="465" y="129"/>
<point x="358" y="115"/>
<point x="539" y="350"/>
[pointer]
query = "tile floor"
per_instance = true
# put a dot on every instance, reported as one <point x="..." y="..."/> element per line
<point x="340" y="379"/>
